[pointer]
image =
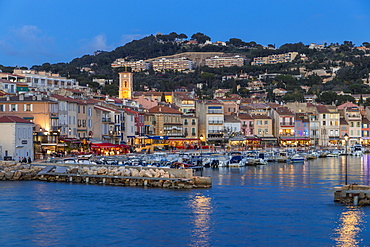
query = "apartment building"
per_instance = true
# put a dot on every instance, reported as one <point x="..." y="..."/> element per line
<point x="136" y="66"/>
<point x="211" y="120"/>
<point x="167" y="121"/>
<point x="354" y="119"/>
<point x="178" y="64"/>
<point x="16" y="139"/>
<point x="276" y="58"/>
<point x="190" y="125"/>
<point x="43" y="81"/>
<point x="328" y="119"/>
<point x="218" y="62"/>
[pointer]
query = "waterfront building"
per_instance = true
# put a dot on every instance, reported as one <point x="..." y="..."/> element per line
<point x="190" y="125"/>
<point x="106" y="124"/>
<point x="129" y="124"/>
<point x="353" y="117"/>
<point x="149" y="124"/>
<point x="41" y="111"/>
<point x="365" y="131"/>
<point x="67" y="109"/>
<point x="218" y="62"/>
<point x="138" y="122"/>
<point x="167" y="121"/>
<point x="210" y="114"/>
<point x="284" y="124"/>
<point x="344" y="129"/>
<point x="247" y="124"/>
<point x="231" y="125"/>
<point x="16" y="139"/>
<point x="328" y="118"/>
<point x="302" y="128"/>
<point x="263" y="130"/>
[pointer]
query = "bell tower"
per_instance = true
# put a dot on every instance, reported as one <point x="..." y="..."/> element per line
<point x="125" y="85"/>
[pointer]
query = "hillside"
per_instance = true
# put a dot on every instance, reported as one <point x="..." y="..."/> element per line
<point x="346" y="67"/>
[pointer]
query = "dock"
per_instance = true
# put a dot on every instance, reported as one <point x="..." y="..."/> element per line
<point x="353" y="194"/>
<point x="123" y="176"/>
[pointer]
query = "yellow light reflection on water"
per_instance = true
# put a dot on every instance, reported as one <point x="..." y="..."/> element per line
<point x="202" y="208"/>
<point x="350" y="224"/>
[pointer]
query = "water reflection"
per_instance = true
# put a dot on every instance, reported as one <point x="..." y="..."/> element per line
<point x="202" y="208"/>
<point x="350" y="226"/>
<point x="47" y="208"/>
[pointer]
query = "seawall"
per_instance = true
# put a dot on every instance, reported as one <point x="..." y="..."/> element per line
<point x="104" y="175"/>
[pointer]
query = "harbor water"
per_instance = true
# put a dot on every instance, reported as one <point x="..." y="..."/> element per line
<point x="278" y="204"/>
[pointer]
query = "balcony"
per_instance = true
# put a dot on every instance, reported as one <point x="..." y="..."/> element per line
<point x="106" y="120"/>
<point x="287" y="124"/>
<point x="215" y="122"/>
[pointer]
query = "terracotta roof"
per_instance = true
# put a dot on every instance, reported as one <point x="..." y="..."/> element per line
<point x="63" y="98"/>
<point x="231" y="119"/>
<point x="164" y="109"/>
<point x="13" y="119"/>
<point x="283" y="111"/>
<point x="260" y="117"/>
<point x="74" y="90"/>
<point x="365" y="120"/>
<point x="346" y="105"/>
<point x="321" y="109"/>
<point x="259" y="105"/>
<point x="244" y="116"/>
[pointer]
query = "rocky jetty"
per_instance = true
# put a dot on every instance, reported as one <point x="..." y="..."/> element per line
<point x="105" y="175"/>
<point x="124" y="176"/>
<point x="11" y="170"/>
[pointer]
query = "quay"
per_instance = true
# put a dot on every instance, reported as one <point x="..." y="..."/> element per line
<point x="353" y="194"/>
<point x="105" y="175"/>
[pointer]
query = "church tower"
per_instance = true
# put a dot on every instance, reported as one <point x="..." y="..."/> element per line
<point x="125" y="85"/>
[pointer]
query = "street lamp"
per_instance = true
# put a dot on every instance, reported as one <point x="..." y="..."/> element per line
<point x="346" y="137"/>
<point x="201" y="137"/>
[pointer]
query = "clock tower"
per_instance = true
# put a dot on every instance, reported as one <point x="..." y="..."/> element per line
<point x="125" y="85"/>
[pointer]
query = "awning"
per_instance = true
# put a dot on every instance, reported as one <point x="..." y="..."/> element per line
<point x="295" y="138"/>
<point x="158" y="137"/>
<point x="103" y="145"/>
<point x="124" y="146"/>
<point x="269" y="139"/>
<point x="253" y="138"/>
<point x="109" y="145"/>
<point x="183" y="139"/>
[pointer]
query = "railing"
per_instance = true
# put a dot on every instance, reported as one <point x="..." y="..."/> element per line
<point x="214" y="132"/>
<point x="215" y="122"/>
<point x="106" y="119"/>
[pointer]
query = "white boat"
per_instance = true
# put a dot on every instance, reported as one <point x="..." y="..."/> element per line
<point x="357" y="150"/>
<point x="297" y="158"/>
<point x="237" y="161"/>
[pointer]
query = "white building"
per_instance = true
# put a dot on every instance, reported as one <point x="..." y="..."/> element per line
<point x="16" y="139"/>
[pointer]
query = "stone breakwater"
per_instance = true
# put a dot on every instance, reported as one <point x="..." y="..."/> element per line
<point x="353" y="194"/>
<point x="105" y="175"/>
<point x="17" y="171"/>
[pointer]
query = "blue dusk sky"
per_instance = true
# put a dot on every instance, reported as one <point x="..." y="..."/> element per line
<point x="40" y="31"/>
